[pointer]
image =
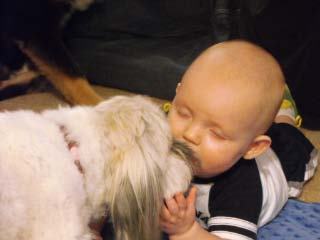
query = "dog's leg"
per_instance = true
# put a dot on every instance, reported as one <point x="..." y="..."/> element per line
<point x="54" y="62"/>
<point x="21" y="77"/>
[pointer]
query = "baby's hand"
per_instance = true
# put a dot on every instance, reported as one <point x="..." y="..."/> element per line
<point x="95" y="235"/>
<point x="178" y="213"/>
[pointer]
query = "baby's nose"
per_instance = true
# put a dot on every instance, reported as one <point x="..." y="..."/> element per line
<point x="192" y="135"/>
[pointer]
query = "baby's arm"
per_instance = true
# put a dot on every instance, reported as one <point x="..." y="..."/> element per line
<point x="284" y="119"/>
<point x="178" y="219"/>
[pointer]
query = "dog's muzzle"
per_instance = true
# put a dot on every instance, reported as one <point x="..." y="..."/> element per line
<point x="183" y="151"/>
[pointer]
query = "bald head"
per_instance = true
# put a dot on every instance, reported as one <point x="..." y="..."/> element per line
<point x="250" y="72"/>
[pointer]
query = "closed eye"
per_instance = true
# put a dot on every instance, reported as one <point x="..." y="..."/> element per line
<point x="217" y="134"/>
<point x="182" y="112"/>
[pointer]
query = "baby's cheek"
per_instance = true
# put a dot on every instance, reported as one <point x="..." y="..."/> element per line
<point x="213" y="155"/>
<point x="176" y="126"/>
<point x="210" y="148"/>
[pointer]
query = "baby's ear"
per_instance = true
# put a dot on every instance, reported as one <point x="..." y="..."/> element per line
<point x="257" y="147"/>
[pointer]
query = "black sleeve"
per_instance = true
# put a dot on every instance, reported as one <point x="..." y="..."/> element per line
<point x="235" y="202"/>
<point x="294" y="151"/>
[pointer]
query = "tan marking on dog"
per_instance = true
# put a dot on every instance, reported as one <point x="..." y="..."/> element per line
<point x="21" y="77"/>
<point x="76" y="90"/>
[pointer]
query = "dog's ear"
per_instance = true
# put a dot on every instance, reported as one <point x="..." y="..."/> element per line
<point x="134" y="171"/>
<point x="136" y="195"/>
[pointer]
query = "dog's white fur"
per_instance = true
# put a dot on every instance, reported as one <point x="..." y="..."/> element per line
<point x="124" y="148"/>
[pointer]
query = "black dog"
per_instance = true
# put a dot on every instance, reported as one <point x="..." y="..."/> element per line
<point x="31" y="29"/>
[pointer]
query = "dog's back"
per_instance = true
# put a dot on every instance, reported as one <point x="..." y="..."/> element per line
<point x="129" y="162"/>
<point x="34" y="161"/>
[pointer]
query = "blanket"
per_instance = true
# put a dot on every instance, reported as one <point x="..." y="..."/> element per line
<point x="297" y="221"/>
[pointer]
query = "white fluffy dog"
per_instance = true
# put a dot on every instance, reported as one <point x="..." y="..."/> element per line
<point x="63" y="168"/>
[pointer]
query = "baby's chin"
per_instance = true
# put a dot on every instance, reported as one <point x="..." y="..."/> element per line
<point x="200" y="173"/>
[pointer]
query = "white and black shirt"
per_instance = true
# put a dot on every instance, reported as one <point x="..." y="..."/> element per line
<point x="234" y="204"/>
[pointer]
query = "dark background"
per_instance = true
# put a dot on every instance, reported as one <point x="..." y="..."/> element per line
<point x="145" y="46"/>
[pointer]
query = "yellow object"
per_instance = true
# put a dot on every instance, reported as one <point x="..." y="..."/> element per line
<point x="166" y="107"/>
<point x="298" y="121"/>
<point x="286" y="104"/>
<point x="288" y="108"/>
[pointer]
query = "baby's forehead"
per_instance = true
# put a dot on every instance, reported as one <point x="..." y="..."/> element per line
<point x="221" y="103"/>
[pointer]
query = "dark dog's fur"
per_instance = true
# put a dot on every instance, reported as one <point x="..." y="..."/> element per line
<point x="31" y="29"/>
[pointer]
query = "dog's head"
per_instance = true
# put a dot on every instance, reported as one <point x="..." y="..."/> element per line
<point x="145" y="165"/>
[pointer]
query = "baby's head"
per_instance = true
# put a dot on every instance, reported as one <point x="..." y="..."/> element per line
<point x="226" y="101"/>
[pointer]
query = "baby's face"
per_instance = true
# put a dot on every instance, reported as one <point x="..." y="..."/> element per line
<point x="212" y="121"/>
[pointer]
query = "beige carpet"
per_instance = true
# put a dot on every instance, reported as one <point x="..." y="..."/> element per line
<point x="41" y="101"/>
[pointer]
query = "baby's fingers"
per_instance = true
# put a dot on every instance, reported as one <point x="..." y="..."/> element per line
<point x="192" y="196"/>
<point x="165" y="215"/>
<point x="182" y="204"/>
<point x="172" y="206"/>
<point x="181" y="201"/>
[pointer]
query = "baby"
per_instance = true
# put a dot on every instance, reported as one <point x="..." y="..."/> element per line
<point x="247" y="166"/>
